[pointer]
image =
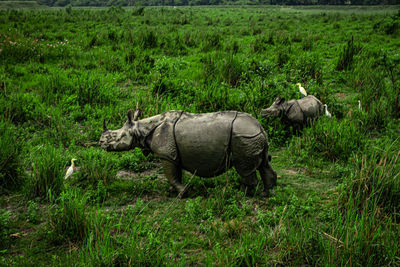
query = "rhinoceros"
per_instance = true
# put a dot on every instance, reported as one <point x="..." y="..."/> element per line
<point x="296" y="112"/>
<point x="206" y="145"/>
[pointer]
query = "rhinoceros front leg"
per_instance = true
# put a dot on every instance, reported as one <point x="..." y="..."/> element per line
<point x="174" y="176"/>
<point x="249" y="182"/>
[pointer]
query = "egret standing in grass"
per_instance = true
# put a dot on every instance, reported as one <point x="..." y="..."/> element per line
<point x="359" y="105"/>
<point x="327" y="113"/>
<point x="302" y="90"/>
<point x="70" y="169"/>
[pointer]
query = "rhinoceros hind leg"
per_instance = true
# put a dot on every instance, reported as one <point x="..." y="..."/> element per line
<point x="268" y="176"/>
<point x="174" y="176"/>
<point x="249" y="183"/>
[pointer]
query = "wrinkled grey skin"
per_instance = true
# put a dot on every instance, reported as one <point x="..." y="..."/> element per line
<point x="295" y="112"/>
<point x="206" y="145"/>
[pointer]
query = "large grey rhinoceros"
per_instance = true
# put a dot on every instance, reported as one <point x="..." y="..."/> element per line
<point x="204" y="144"/>
<point x="296" y="112"/>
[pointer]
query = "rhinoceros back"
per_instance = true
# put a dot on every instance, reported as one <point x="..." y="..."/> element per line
<point x="203" y="141"/>
<point x="310" y="106"/>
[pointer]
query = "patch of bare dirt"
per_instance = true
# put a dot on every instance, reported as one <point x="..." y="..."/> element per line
<point x="341" y="95"/>
<point x="131" y="175"/>
<point x="292" y="171"/>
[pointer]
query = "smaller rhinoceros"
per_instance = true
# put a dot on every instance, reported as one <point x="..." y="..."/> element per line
<point x="206" y="145"/>
<point x="296" y="112"/>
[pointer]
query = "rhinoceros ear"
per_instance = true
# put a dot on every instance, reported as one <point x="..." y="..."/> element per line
<point x="104" y="126"/>
<point x="133" y="116"/>
<point x="137" y="114"/>
<point x="279" y="100"/>
<point x="130" y="115"/>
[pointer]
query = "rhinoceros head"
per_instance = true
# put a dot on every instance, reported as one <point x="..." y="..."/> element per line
<point x="275" y="110"/>
<point x="124" y="138"/>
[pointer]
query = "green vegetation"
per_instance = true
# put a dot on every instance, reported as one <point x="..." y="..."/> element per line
<point x="62" y="71"/>
<point x="103" y="3"/>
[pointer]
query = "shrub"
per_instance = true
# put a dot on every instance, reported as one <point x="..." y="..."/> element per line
<point x="10" y="157"/>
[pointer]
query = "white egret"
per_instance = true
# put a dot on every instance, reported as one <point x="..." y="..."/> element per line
<point x="70" y="169"/>
<point x="301" y="89"/>
<point x="327" y="113"/>
<point x="359" y="105"/>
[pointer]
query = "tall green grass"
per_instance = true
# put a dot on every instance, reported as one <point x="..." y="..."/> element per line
<point x="11" y="167"/>
<point x="95" y="167"/>
<point x="368" y="208"/>
<point x="48" y="170"/>
<point x="328" y="139"/>
<point x="69" y="219"/>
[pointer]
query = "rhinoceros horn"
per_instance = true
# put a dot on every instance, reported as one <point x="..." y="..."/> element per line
<point x="104" y="126"/>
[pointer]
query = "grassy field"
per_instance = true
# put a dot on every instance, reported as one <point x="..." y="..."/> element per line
<point x="63" y="70"/>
